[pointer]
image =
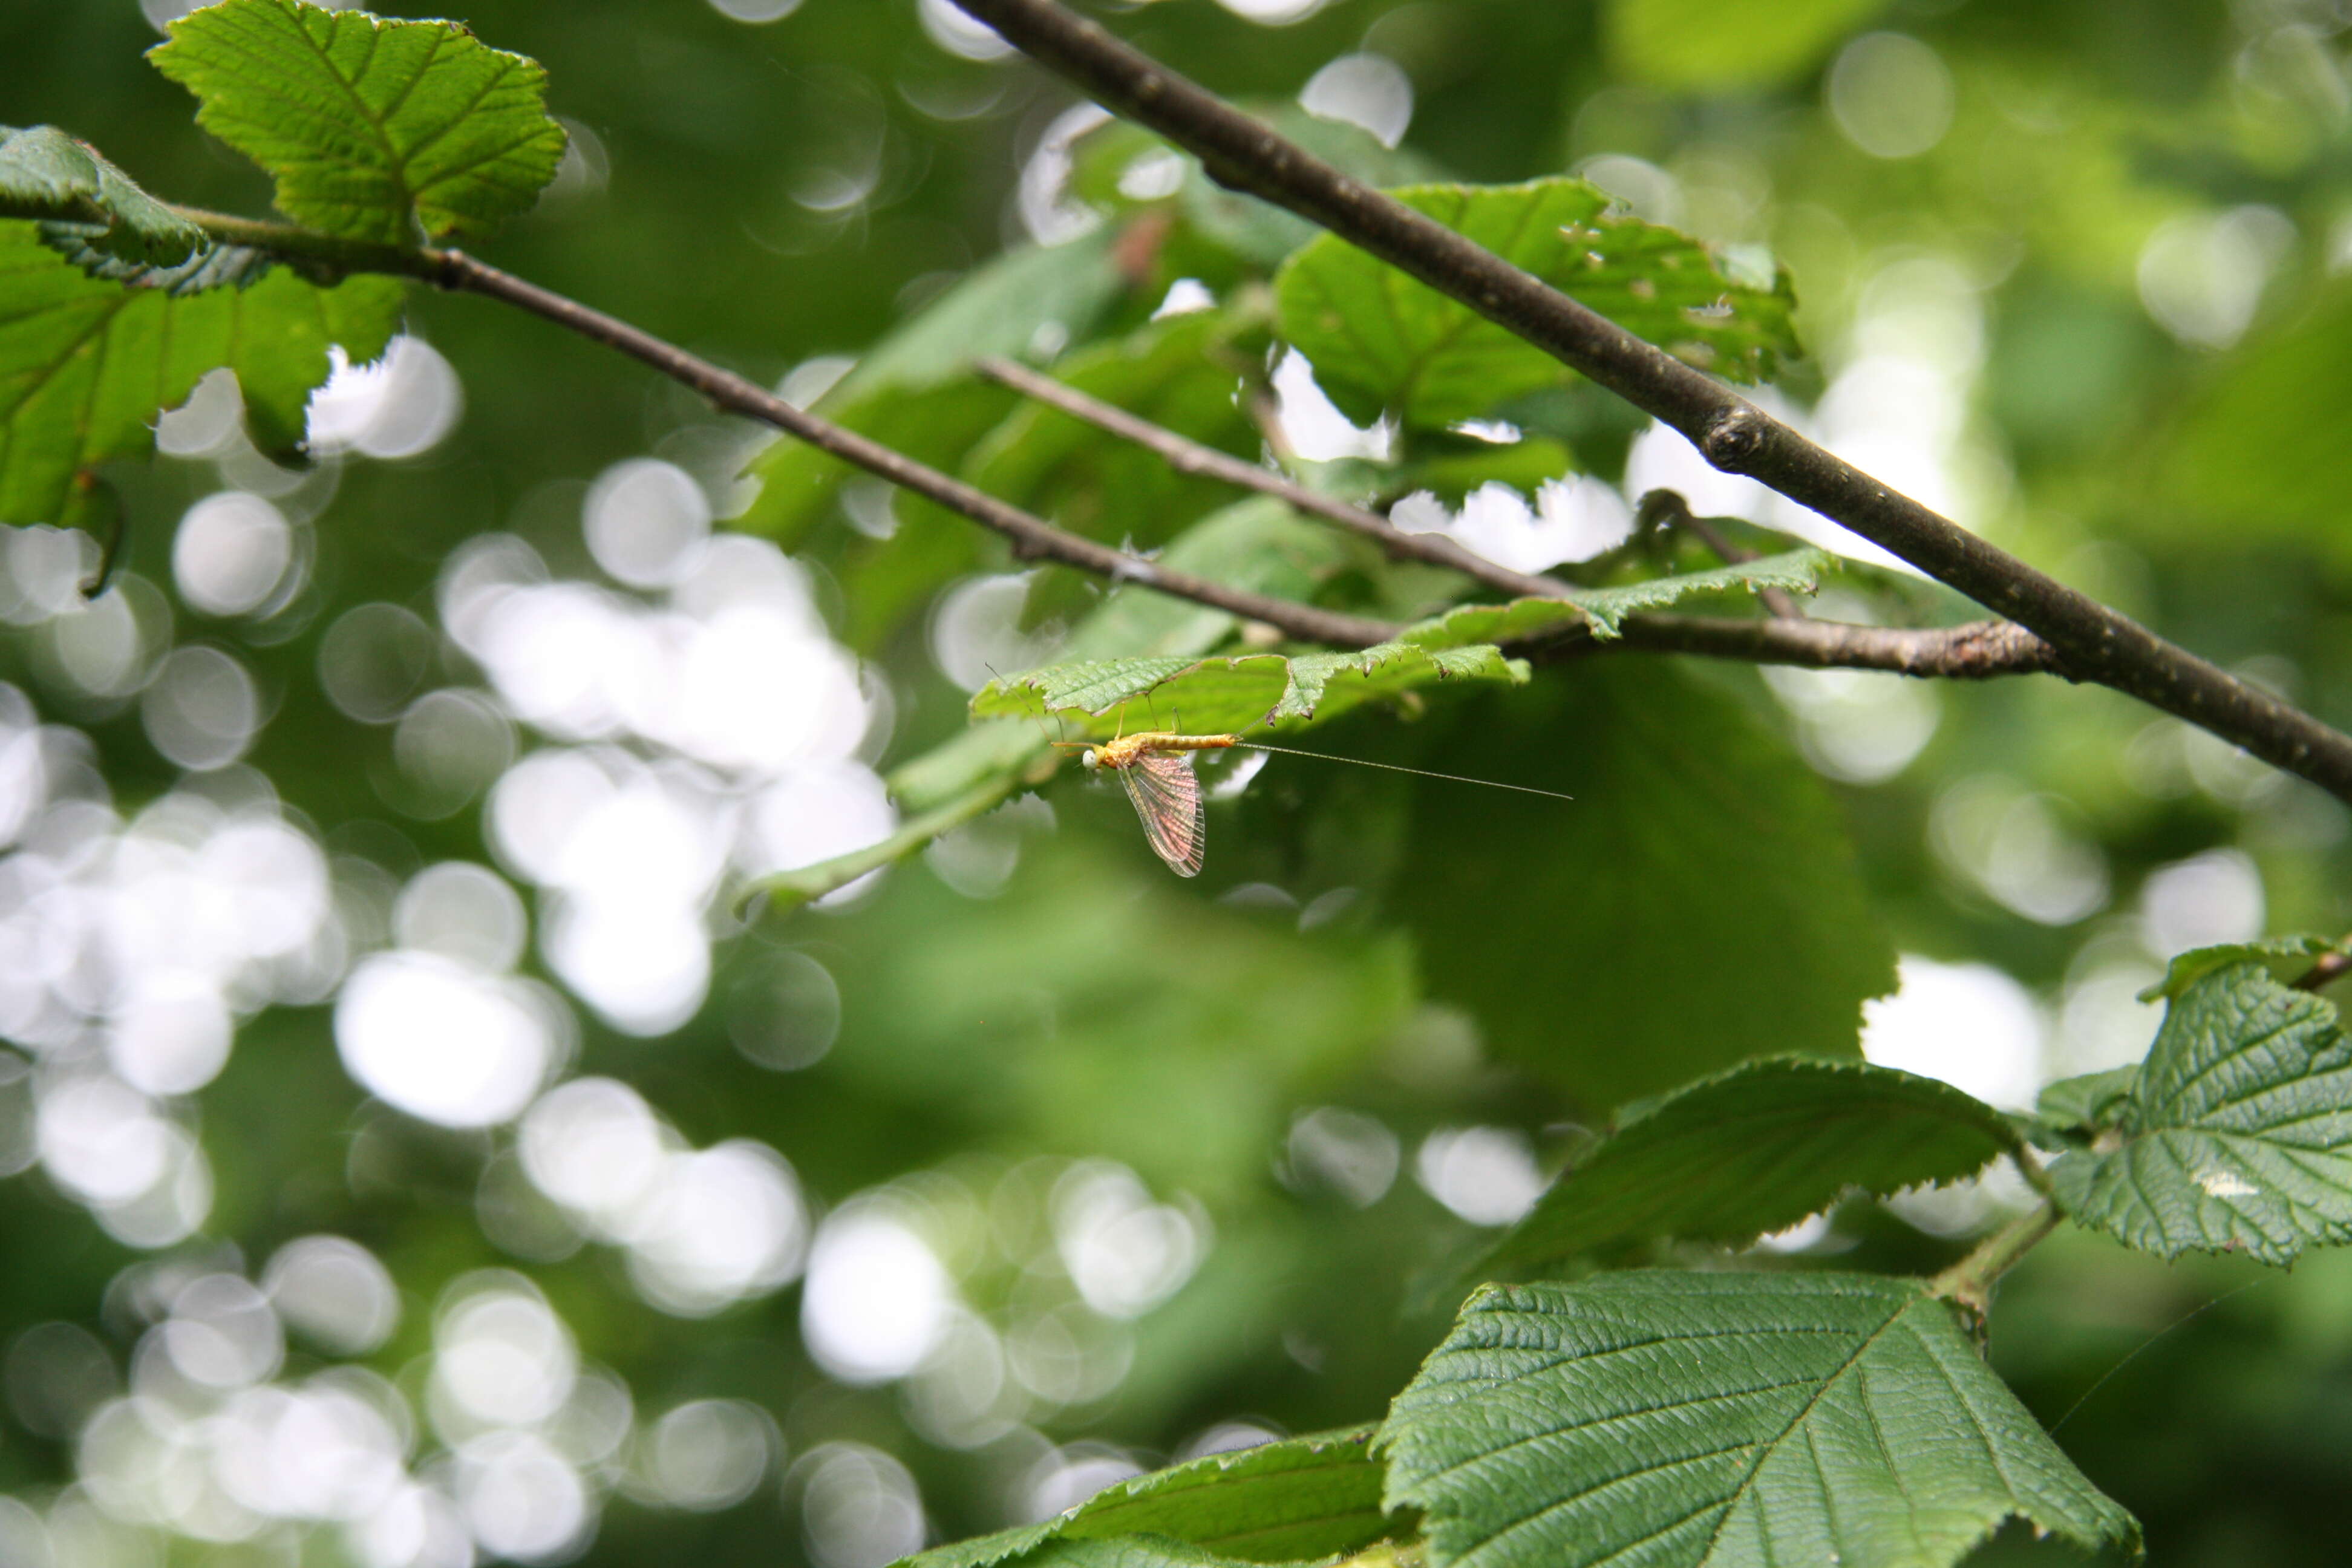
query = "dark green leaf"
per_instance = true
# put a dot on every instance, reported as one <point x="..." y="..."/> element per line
<point x="2238" y="1132"/>
<point x="85" y="365"/>
<point x="46" y="173"/>
<point x="1755" y="1150"/>
<point x="1698" y="844"/>
<point x="1794" y="571"/>
<point x="2186" y="968"/>
<point x="374" y="129"/>
<point x="1381" y="342"/>
<point x="1724" y="1420"/>
<point x="1522" y="465"/>
<point x="1727" y="43"/>
<point x="1259" y="544"/>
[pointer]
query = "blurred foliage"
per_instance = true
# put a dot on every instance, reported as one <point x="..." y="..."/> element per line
<point x="1180" y="1154"/>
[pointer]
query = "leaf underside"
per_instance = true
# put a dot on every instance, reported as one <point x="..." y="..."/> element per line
<point x="46" y="173"/>
<point x="85" y="365"/>
<point x="1755" y="1150"/>
<point x="374" y="129"/>
<point x="1674" y="1420"/>
<point x="1794" y="571"/>
<point x="2237" y="1133"/>
<point x="1294" y="1500"/>
<point x="1236" y="694"/>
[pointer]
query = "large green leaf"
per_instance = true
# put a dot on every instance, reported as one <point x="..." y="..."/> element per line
<point x="1676" y="1420"/>
<point x="1241" y="693"/>
<point x="1699" y="844"/>
<point x="1755" y="1150"/>
<point x="46" y="173"/>
<point x="1727" y="43"/>
<point x="85" y="365"/>
<point x="2237" y="1135"/>
<point x="1382" y="343"/>
<point x="1793" y="572"/>
<point x="374" y="129"/>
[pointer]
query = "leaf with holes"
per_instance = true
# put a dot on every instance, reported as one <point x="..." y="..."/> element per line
<point x="85" y="365"/>
<point x="374" y="129"/>
<point x="2237" y="1133"/>
<point x="1384" y="343"/>
<point x="47" y="174"/>
<point x="1755" y="1150"/>
<point x="1679" y="1420"/>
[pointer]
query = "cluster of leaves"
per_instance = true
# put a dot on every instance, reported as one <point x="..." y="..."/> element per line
<point x="113" y="304"/>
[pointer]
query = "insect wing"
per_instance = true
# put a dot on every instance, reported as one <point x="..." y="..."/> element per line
<point x="1168" y="798"/>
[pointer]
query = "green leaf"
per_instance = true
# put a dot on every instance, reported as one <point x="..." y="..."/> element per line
<point x="374" y="129"/>
<point x="1523" y="465"/>
<point x="1214" y="696"/>
<point x="1698" y="844"/>
<point x="2238" y="1132"/>
<point x="1752" y="1151"/>
<point x="1259" y="544"/>
<point x="2186" y="968"/>
<point x="1793" y="572"/>
<point x="1381" y="342"/>
<point x="46" y="173"/>
<point x="1286" y="1502"/>
<point x="85" y="366"/>
<point x="2088" y="1104"/>
<point x="1669" y="1419"/>
<point x="1716" y="43"/>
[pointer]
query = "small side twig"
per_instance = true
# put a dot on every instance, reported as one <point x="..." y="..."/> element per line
<point x="1189" y="457"/>
<point x="1669" y="507"/>
<point x="2324" y="970"/>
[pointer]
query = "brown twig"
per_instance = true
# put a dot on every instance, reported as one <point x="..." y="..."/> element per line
<point x="1033" y="538"/>
<point x="2324" y="970"/>
<point x="2095" y="642"/>
<point x="1668" y="506"/>
<point x="1189" y="457"/>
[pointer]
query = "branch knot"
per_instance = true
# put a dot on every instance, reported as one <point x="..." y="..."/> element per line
<point x="1732" y="437"/>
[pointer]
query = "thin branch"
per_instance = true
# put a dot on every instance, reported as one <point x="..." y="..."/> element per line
<point x="2095" y="642"/>
<point x="1033" y="538"/>
<point x="1973" y="652"/>
<point x="1977" y="651"/>
<point x="1969" y="1281"/>
<point x="1190" y="457"/>
<point x="2326" y="970"/>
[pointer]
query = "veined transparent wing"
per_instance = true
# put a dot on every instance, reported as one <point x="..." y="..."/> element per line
<point x="1168" y="798"/>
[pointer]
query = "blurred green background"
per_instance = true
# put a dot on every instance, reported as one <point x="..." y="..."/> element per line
<point x="415" y="1160"/>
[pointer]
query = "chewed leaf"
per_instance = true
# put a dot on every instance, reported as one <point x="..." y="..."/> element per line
<point x="1793" y="572"/>
<point x="85" y="365"/>
<point x="1693" y="1420"/>
<point x="374" y="129"/>
<point x="1212" y="696"/>
<point x="47" y="174"/>
<point x="1384" y="342"/>
<point x="1755" y="1150"/>
<point x="2236" y="1135"/>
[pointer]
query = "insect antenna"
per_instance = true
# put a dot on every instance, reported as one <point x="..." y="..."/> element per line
<point x="1396" y="768"/>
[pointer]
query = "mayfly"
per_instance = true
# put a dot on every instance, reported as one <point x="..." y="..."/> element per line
<point x="1156" y="766"/>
